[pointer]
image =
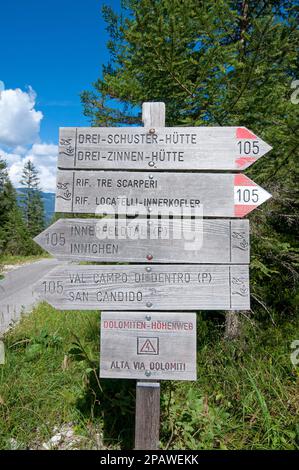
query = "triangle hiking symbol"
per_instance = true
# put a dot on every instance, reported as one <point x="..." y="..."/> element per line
<point x="148" y="347"/>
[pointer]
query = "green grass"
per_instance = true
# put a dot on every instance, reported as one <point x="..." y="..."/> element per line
<point x="246" y="395"/>
<point x="39" y="389"/>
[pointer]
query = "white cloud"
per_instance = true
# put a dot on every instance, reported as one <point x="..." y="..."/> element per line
<point x="44" y="157"/>
<point x="19" y="121"/>
<point x="20" y="150"/>
<point x="19" y="138"/>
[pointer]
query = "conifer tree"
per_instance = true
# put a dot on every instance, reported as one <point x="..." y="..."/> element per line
<point x="218" y="63"/>
<point x="31" y="200"/>
<point x="18" y="238"/>
<point x="7" y="193"/>
<point x="14" y="236"/>
<point x="8" y="201"/>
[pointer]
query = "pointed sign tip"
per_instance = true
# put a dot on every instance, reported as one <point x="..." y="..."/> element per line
<point x="247" y="195"/>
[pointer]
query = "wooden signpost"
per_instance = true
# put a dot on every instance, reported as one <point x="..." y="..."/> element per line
<point x="138" y="287"/>
<point x="147" y="330"/>
<point x="157" y="346"/>
<point x="159" y="148"/>
<point x="152" y="241"/>
<point x="113" y="192"/>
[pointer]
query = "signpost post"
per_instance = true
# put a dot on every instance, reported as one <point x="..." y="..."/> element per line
<point x="185" y="262"/>
<point x="147" y="414"/>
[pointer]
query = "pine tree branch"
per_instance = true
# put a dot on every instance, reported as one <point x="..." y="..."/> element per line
<point x="251" y="68"/>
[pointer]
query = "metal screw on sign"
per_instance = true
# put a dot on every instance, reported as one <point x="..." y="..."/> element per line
<point x="147" y="373"/>
<point x="148" y="269"/>
<point x="152" y="131"/>
<point x="149" y="257"/>
<point x="149" y="304"/>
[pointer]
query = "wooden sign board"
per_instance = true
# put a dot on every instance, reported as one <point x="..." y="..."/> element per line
<point x="155" y="240"/>
<point x="163" y="148"/>
<point x="183" y="194"/>
<point x="155" y="345"/>
<point x="143" y="287"/>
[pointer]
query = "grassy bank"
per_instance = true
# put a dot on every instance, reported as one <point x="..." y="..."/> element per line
<point x="246" y="395"/>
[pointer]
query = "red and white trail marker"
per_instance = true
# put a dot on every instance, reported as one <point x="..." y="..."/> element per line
<point x="159" y="148"/>
<point x="166" y="193"/>
<point x="247" y="195"/>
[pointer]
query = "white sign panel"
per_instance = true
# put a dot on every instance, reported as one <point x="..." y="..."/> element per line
<point x="154" y="345"/>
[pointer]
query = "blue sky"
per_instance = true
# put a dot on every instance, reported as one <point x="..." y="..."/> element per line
<point x="50" y="52"/>
<point x="56" y="47"/>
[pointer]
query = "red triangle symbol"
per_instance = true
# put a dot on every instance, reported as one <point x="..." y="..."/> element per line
<point x="243" y="133"/>
<point x="243" y="180"/>
<point x="241" y="209"/>
<point x="148" y="347"/>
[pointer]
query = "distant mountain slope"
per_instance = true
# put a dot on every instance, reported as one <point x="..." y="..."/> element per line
<point x="48" y="200"/>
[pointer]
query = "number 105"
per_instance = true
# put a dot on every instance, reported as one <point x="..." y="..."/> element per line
<point x="247" y="195"/>
<point x="247" y="147"/>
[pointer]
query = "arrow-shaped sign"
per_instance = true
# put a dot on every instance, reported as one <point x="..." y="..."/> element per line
<point x="184" y="194"/>
<point x="167" y="148"/>
<point x="152" y="241"/>
<point x="142" y="287"/>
